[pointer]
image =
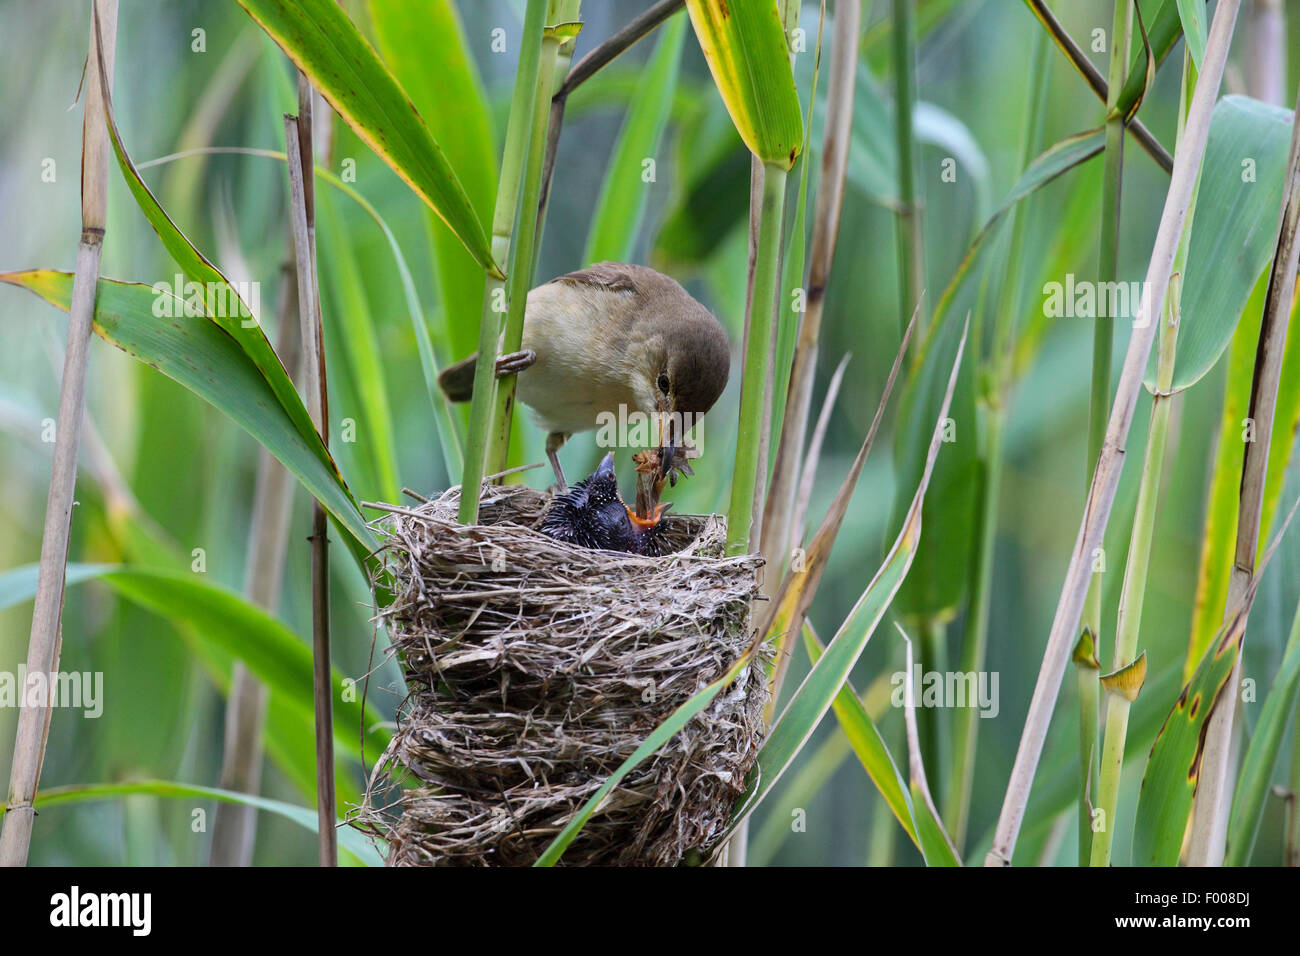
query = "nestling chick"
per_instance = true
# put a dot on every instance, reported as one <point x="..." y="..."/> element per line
<point x="592" y="514"/>
<point x="607" y="336"/>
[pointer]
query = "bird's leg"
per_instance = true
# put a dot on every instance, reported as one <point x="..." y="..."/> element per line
<point x="515" y="362"/>
<point x="554" y="442"/>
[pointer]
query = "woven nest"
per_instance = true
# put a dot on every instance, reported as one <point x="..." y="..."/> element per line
<point x="536" y="667"/>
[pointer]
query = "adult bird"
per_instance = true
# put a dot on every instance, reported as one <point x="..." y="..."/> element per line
<point x="611" y="338"/>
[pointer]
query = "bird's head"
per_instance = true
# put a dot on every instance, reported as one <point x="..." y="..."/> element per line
<point x="684" y="372"/>
<point x="604" y="502"/>
<point x="623" y="528"/>
<point x="591" y="513"/>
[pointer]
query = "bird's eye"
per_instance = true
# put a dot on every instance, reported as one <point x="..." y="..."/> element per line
<point x="663" y="382"/>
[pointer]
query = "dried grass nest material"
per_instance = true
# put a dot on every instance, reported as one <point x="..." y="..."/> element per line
<point x="535" y="667"/>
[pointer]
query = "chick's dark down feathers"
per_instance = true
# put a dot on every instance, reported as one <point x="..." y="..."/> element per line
<point x="591" y="514"/>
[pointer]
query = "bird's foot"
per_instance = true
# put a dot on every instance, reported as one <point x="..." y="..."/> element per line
<point x="560" y="486"/>
<point x="515" y="362"/>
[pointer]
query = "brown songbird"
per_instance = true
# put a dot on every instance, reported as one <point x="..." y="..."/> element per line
<point x="607" y="337"/>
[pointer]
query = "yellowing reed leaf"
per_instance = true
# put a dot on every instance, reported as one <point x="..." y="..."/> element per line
<point x="1085" y="652"/>
<point x="1128" y="680"/>
<point x="744" y="44"/>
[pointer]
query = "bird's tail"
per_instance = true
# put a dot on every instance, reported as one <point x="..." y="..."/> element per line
<point x="457" y="381"/>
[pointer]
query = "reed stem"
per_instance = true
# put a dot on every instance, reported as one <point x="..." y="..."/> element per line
<point x="741" y="517"/>
<point x="1222" y="740"/>
<point x="1087" y="670"/>
<point x="965" y="731"/>
<point x="503" y="221"/>
<point x="911" y="247"/>
<point x="527" y="224"/>
<point x="234" y="826"/>
<point x="1103" y="339"/>
<point x="792" y="399"/>
<point x="584" y="70"/>
<point x="45" y="640"/>
<point x="1120" y="694"/>
<point x="1266" y="61"/>
<point x="1119" y="702"/>
<point x="1105" y="480"/>
<point x="299" y="152"/>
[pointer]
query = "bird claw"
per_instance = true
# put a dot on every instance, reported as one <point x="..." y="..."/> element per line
<point x="515" y="362"/>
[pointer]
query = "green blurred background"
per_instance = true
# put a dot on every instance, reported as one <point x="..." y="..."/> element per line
<point x="191" y="471"/>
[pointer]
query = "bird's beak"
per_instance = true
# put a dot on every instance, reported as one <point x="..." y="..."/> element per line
<point x="666" y="459"/>
<point x="667" y="449"/>
<point x="606" y="468"/>
<point x="643" y="523"/>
